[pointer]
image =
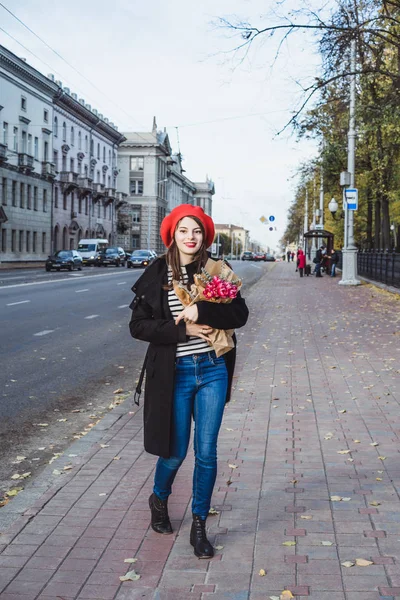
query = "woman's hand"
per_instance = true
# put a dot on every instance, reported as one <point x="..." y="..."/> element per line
<point x="200" y="331"/>
<point x="190" y="314"/>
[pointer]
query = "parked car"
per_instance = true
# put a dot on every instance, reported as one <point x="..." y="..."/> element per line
<point x="270" y="258"/>
<point x="140" y="258"/>
<point x="121" y="253"/>
<point x="247" y="255"/>
<point x="110" y="256"/>
<point x="89" y="248"/>
<point x="260" y="256"/>
<point x="64" y="259"/>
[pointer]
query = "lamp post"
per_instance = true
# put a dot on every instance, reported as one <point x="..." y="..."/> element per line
<point x="349" y="267"/>
<point x="149" y="220"/>
<point x="305" y="217"/>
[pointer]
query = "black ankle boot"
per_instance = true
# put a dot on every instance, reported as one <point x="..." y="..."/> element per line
<point x="198" y="538"/>
<point x="159" y="515"/>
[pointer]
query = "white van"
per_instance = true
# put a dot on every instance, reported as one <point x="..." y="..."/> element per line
<point x="89" y="249"/>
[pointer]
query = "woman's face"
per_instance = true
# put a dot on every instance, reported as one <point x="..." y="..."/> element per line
<point x="188" y="238"/>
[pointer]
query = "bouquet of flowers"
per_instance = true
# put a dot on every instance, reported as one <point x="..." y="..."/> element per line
<point x="216" y="283"/>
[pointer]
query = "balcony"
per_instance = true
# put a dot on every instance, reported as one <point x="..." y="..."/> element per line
<point x="98" y="191"/>
<point x="25" y="162"/>
<point x="3" y="153"/>
<point x="69" y="181"/>
<point x="85" y="186"/>
<point x="110" y="194"/>
<point x="48" y="170"/>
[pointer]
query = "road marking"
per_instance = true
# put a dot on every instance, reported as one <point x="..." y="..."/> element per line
<point x="123" y="306"/>
<point x="14" y="285"/>
<point x="80" y="291"/>
<point x="92" y="317"/>
<point x="44" y="332"/>
<point x="121" y="283"/>
<point x="255" y="266"/>
<point x="15" y="303"/>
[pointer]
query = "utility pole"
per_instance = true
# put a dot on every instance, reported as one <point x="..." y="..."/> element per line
<point x="305" y="218"/>
<point x="321" y="195"/>
<point x="349" y="261"/>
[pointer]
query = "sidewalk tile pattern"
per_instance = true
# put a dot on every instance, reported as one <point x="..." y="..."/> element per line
<point x="309" y="472"/>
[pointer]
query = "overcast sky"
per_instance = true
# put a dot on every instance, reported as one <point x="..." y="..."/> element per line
<point x="166" y="59"/>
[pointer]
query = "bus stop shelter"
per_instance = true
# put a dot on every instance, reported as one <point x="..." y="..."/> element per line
<point x="322" y="237"/>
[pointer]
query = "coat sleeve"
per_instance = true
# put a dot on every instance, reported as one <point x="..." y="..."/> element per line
<point x="144" y="327"/>
<point x="223" y="316"/>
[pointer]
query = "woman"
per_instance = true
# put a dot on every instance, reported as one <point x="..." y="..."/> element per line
<point x="184" y="377"/>
<point x="301" y="258"/>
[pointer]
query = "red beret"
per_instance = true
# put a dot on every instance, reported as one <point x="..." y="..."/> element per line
<point x="170" y="222"/>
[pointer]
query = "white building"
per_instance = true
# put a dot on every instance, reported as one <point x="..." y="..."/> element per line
<point x="58" y="165"/>
<point x="154" y="181"/>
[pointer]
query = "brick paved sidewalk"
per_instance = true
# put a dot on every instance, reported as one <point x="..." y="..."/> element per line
<point x="315" y="414"/>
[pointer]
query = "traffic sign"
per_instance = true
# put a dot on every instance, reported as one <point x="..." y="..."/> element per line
<point x="271" y="218"/>
<point x="271" y="228"/>
<point x="351" y="195"/>
<point x="263" y="219"/>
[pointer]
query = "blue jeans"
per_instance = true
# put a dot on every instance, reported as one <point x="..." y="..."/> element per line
<point x="333" y="270"/>
<point x="200" y="390"/>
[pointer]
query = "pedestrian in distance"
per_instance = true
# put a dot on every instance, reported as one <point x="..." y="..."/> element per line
<point x="301" y="262"/>
<point x="318" y="261"/>
<point x="184" y="377"/>
<point x="292" y="255"/>
<point x="288" y="254"/>
<point x="334" y="262"/>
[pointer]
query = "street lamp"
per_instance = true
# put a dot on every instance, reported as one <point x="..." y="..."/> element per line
<point x="149" y="223"/>
<point x="333" y="206"/>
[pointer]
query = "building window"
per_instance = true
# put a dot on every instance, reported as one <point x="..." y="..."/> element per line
<point x="22" y="195"/>
<point x="64" y="135"/>
<point x="5" y="133"/>
<point x="80" y="205"/>
<point x="44" y="242"/>
<point x="46" y="115"/>
<point x="28" y="241"/>
<point x="86" y="206"/>
<point x="137" y="163"/>
<point x="98" y="176"/>
<point x="91" y="147"/>
<point x="24" y="144"/>
<point x="23" y="103"/>
<point x="104" y="154"/>
<point x="135" y="241"/>
<point x="136" y="216"/>
<point x="65" y="201"/>
<point x="46" y="151"/>
<point x="44" y="200"/>
<point x="36" y="148"/>
<point x="34" y="241"/>
<point x="86" y="170"/>
<point x="71" y="165"/>
<point x="79" y="140"/>
<point x="55" y="159"/>
<point x="13" y="239"/>
<point x="4" y="192"/>
<point x="72" y="201"/>
<point x="110" y="211"/>
<point x="104" y="179"/>
<point x="98" y="151"/>
<point x="15" y="139"/>
<point x="30" y="144"/>
<point x="29" y="197"/>
<point x="3" y="240"/>
<point x="35" y="198"/>
<point x="86" y="144"/>
<point x="55" y="127"/>
<point x="72" y="136"/>
<point x="56" y="197"/>
<point x="136" y="187"/>
<point x="98" y="210"/>
<point x="105" y="211"/>
<point x="20" y="241"/>
<point x="64" y="163"/>
<point x="14" y="193"/>
<point x="109" y="157"/>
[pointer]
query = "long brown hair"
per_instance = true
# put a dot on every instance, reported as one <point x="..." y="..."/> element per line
<point x="173" y="253"/>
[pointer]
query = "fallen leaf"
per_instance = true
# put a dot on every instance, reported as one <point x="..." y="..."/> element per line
<point x="61" y="420"/>
<point x="307" y="517"/>
<point x="130" y="576"/>
<point x="356" y="442"/>
<point x="42" y="424"/>
<point x="228" y="429"/>
<point x="118" y="391"/>
<point x="212" y="511"/>
<point x="262" y="573"/>
<point x="15" y="476"/>
<point x="56" y="472"/>
<point x="375" y="503"/>
<point x="117" y="458"/>
<point x="361" y="562"/>
<point x="382" y="457"/>
<point x="348" y="564"/>
<point x="327" y="543"/>
<point x="233" y="466"/>
<point x="343" y="451"/>
<point x="13" y="492"/>
<point x="67" y="467"/>
<point x="288" y="543"/>
<point x="104" y="445"/>
<point x="286" y="595"/>
<point x="346" y="499"/>
<point x="336" y="498"/>
<point x="379" y="479"/>
<point x="103" y="494"/>
<point x="218" y="547"/>
<point x="274" y="598"/>
<point x="130" y="560"/>
<point x="20" y="458"/>
<point x="343" y="411"/>
<point x="25" y="475"/>
<point x="374" y="444"/>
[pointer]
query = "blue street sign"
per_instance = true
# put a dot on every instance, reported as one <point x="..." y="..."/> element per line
<point x="271" y="228"/>
<point x="271" y="218"/>
<point x="351" y="196"/>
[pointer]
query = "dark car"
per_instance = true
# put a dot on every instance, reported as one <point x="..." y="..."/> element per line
<point x="260" y="256"/>
<point x="110" y="256"/>
<point x="141" y="258"/>
<point x="270" y="258"/>
<point x="247" y="255"/>
<point x="64" y="259"/>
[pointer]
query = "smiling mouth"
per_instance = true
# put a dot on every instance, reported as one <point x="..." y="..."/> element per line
<point x="190" y="245"/>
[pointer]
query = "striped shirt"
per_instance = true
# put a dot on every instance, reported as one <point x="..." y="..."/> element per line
<point x="194" y="345"/>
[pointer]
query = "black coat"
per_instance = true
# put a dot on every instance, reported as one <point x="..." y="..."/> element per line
<point x="152" y="322"/>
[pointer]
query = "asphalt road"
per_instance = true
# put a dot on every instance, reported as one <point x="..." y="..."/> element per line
<point x="65" y="346"/>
